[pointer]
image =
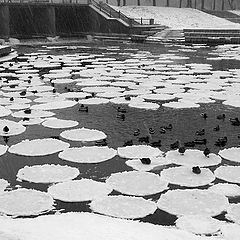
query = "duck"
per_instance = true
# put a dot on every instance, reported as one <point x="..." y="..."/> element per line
<point x="217" y="128"/>
<point x="221" y="142"/>
<point x="235" y="121"/>
<point x="128" y="98"/>
<point x="27" y="111"/>
<point x="6" y="129"/>
<point x="156" y="144"/>
<point x="144" y="139"/>
<point x="11" y="99"/>
<point x="189" y="144"/>
<point x="128" y="143"/>
<point x="121" y="116"/>
<point x="163" y="130"/>
<point x="146" y="161"/>
<point x="181" y="150"/>
<point x="136" y="132"/>
<point x="168" y="127"/>
<point x="221" y="116"/>
<point x="200" y="141"/>
<point x="196" y="170"/>
<point x="200" y="132"/>
<point x="6" y="139"/>
<point x="206" y="152"/>
<point x="76" y="99"/>
<point x="83" y="108"/>
<point x="204" y="115"/>
<point x="151" y="131"/>
<point x="23" y="93"/>
<point x="174" y="145"/>
<point x="102" y="142"/>
<point x="26" y="119"/>
<point x="121" y="110"/>
<point x="54" y="90"/>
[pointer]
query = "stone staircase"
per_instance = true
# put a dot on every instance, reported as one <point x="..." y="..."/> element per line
<point x="168" y="34"/>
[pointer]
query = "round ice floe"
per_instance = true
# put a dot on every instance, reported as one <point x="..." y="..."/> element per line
<point x="102" y="89"/>
<point x="83" y="134"/>
<point x="11" y="100"/>
<point x="158" y="97"/>
<point x="93" y="101"/>
<point x="44" y="88"/>
<point x="193" y="157"/>
<point x="123" y="206"/>
<point x="10" y="128"/>
<point x="38" y="147"/>
<point x="92" y="154"/>
<point x="54" y="105"/>
<point x="231" y="154"/>
<point x="3" y="184"/>
<point x="156" y="162"/>
<point x="198" y="224"/>
<point x="193" y="202"/>
<point x="233" y="213"/>
<point x="25" y="202"/>
<point x="182" y="104"/>
<point x="75" y="95"/>
<point x="33" y="114"/>
<point x="3" y="149"/>
<point x="230" y="231"/>
<point x="138" y="151"/>
<point x="31" y="121"/>
<point x="184" y="176"/>
<point x="137" y="183"/>
<point x="47" y="173"/>
<point x="16" y="106"/>
<point x="228" y="173"/>
<point x="79" y="190"/>
<point x="48" y="99"/>
<point x="59" y="123"/>
<point x="229" y="190"/>
<point x="4" y="111"/>
<point x="144" y="105"/>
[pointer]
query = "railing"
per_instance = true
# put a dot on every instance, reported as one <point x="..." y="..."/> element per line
<point x="145" y="21"/>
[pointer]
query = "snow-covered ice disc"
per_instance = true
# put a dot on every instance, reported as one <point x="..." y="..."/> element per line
<point x="193" y="157"/>
<point x="47" y="173"/>
<point x="227" y="189"/>
<point x="193" y="202"/>
<point x="123" y="206"/>
<point x="233" y="213"/>
<point x="17" y="106"/>
<point x="92" y="154"/>
<point x="138" y="151"/>
<point x="38" y="147"/>
<point x="144" y="105"/>
<point x="33" y="114"/>
<point x="137" y="183"/>
<point x="75" y="95"/>
<point x="83" y="134"/>
<point x="93" y="101"/>
<point x="54" y="105"/>
<point x="79" y="190"/>
<point x="156" y="162"/>
<point x="3" y="149"/>
<point x="228" y="173"/>
<point x="198" y="224"/>
<point x="31" y="121"/>
<point x="4" y="111"/>
<point x="10" y="128"/>
<point x="184" y="176"/>
<point x="25" y="202"/>
<point x="180" y="104"/>
<point x="3" y="184"/>
<point x="59" y="123"/>
<point x="231" y="154"/>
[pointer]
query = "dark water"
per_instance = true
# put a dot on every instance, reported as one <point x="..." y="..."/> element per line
<point x="103" y="117"/>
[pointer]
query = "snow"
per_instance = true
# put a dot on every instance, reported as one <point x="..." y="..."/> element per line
<point x="79" y="190"/>
<point x="3" y="184"/>
<point x="71" y="226"/>
<point x="177" y="18"/>
<point x="233" y="213"/>
<point x="47" y="173"/>
<point x="59" y="123"/>
<point x="228" y="173"/>
<point x="227" y="189"/>
<point x="137" y="183"/>
<point x="231" y="154"/>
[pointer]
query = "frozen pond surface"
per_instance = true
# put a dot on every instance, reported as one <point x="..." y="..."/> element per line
<point x="164" y="96"/>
